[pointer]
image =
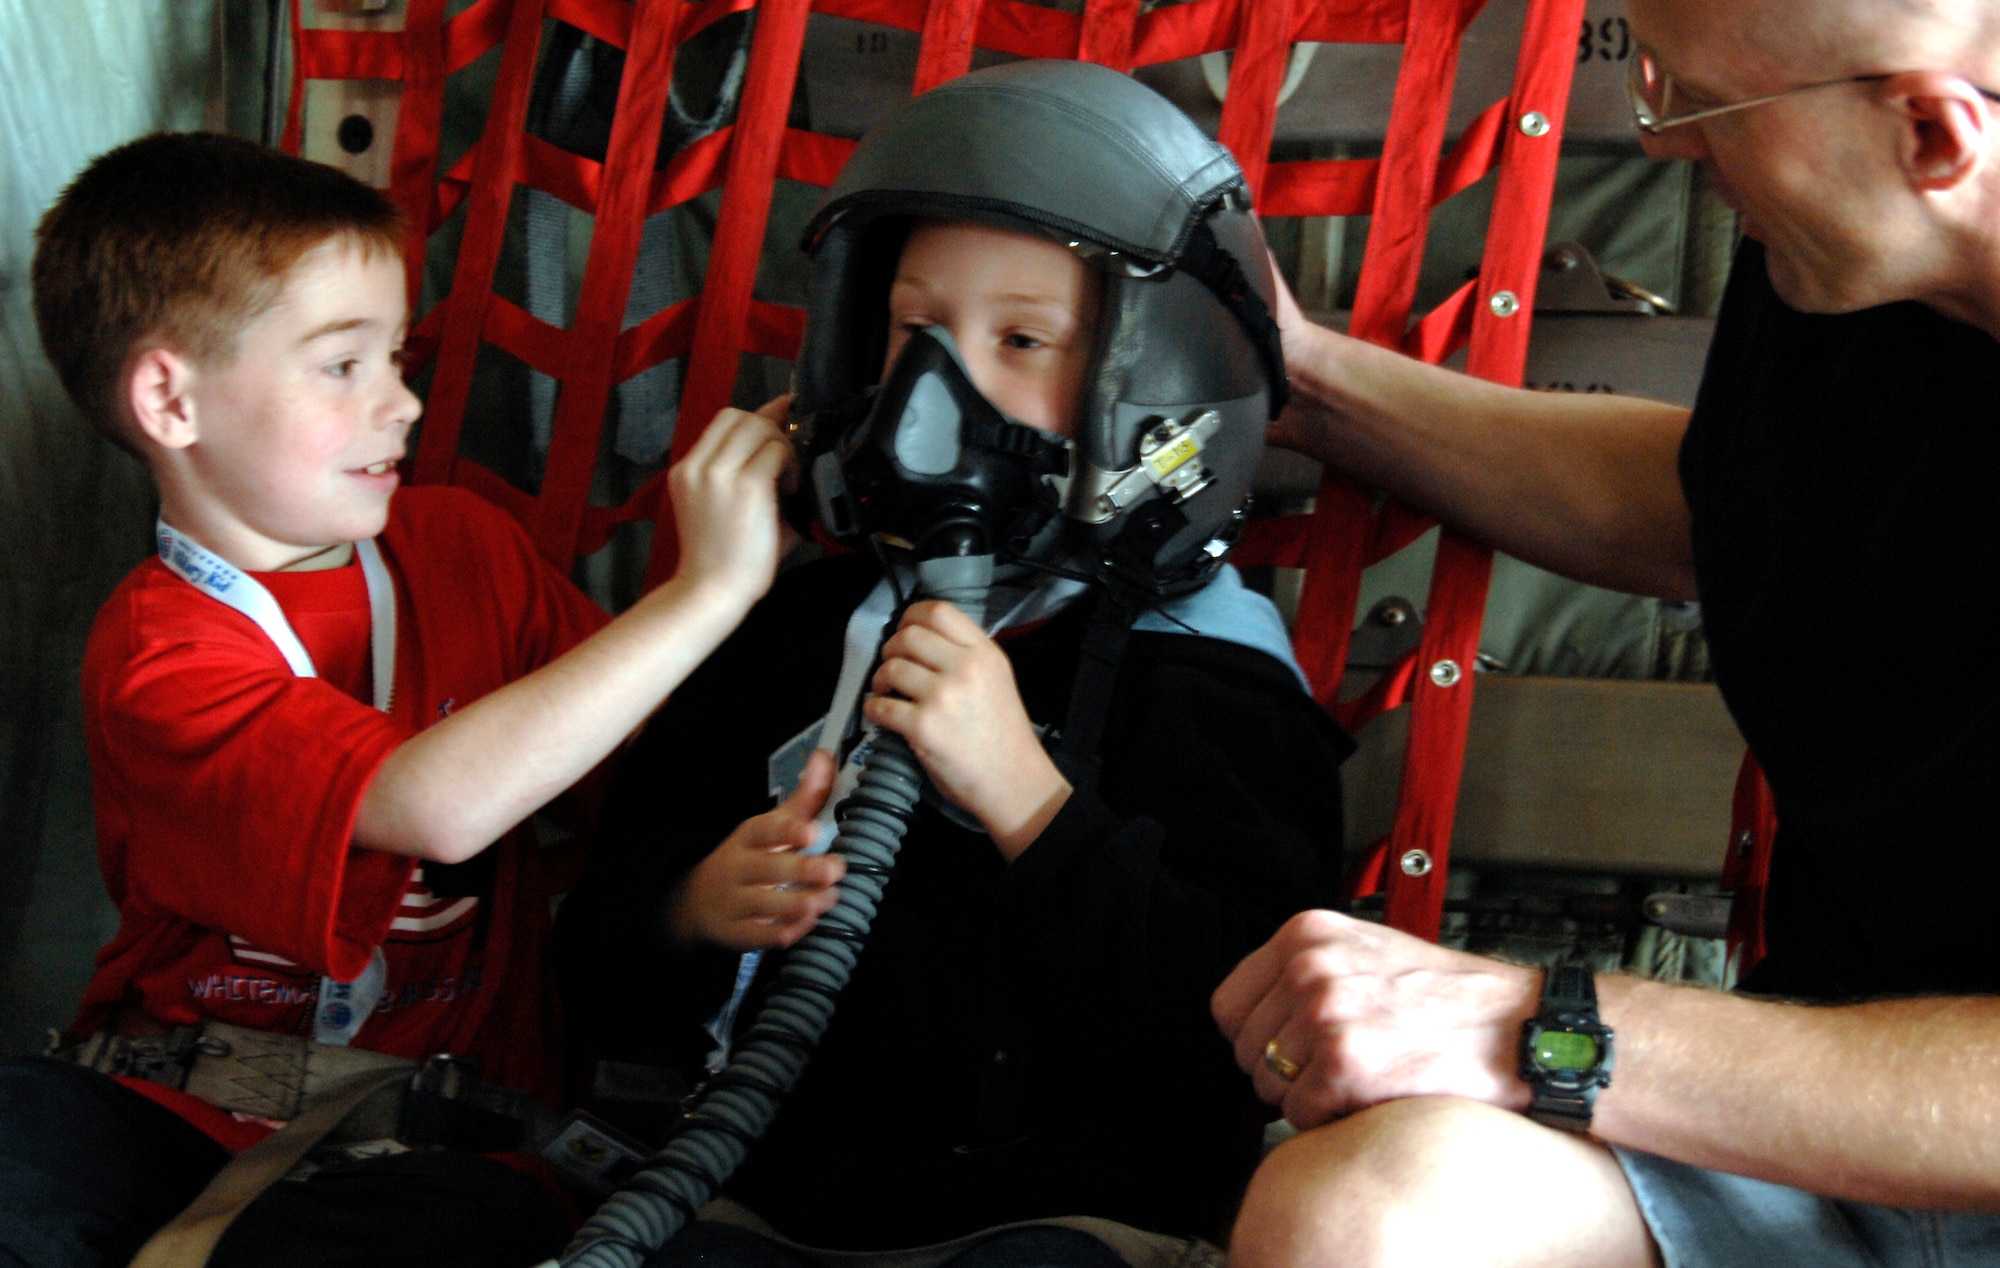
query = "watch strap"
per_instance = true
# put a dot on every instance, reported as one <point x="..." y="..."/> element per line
<point x="1569" y="988"/>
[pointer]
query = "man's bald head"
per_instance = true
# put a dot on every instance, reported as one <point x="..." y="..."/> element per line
<point x="1884" y="184"/>
<point x="1866" y="37"/>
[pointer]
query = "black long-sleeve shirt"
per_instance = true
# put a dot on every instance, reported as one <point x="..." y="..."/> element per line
<point x="1017" y="1041"/>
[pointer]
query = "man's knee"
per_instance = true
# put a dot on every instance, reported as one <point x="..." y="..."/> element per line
<point x="1438" y="1180"/>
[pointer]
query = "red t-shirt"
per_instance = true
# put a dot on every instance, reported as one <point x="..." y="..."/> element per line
<point x="226" y="790"/>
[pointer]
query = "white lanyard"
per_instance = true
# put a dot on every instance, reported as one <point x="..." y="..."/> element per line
<point x="343" y="1006"/>
<point x="207" y="572"/>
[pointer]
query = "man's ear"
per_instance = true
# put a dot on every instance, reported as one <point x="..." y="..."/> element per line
<point x="157" y="392"/>
<point x="1946" y="132"/>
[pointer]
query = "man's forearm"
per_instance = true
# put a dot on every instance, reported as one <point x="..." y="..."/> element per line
<point x="1584" y="485"/>
<point x="1895" y="1102"/>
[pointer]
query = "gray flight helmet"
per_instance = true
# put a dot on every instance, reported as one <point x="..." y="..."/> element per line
<point x="1186" y="371"/>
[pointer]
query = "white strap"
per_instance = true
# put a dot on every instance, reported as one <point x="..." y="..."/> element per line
<point x="342" y="1006"/>
<point x="381" y="632"/>
<point x="865" y="630"/>
<point x="209" y="573"/>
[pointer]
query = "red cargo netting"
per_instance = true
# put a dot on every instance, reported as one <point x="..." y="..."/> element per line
<point x="1517" y="138"/>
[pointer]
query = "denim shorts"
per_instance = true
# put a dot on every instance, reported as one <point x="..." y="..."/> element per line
<point x="1708" y="1219"/>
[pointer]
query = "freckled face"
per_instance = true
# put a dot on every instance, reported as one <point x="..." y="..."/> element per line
<point x="1022" y="309"/>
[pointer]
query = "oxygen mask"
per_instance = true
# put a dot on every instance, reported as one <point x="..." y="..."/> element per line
<point x="926" y="465"/>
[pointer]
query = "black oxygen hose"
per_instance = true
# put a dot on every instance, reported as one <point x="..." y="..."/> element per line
<point x="739" y="1103"/>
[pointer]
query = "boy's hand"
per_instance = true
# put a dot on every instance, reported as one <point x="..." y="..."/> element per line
<point x="757" y="889"/>
<point x="725" y="495"/>
<point x="949" y="690"/>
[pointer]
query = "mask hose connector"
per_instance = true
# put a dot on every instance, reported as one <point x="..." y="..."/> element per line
<point x="738" y="1105"/>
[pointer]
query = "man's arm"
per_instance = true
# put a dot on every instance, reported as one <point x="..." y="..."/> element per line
<point x="1583" y="485"/>
<point x="1894" y="1102"/>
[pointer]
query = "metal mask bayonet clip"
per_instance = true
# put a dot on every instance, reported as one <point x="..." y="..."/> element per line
<point x="1169" y="460"/>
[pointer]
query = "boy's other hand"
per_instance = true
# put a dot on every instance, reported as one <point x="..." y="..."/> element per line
<point x="948" y="689"/>
<point x="725" y="496"/>
<point x="758" y="889"/>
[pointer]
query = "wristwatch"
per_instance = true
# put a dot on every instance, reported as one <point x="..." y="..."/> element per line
<point x="1566" y="1051"/>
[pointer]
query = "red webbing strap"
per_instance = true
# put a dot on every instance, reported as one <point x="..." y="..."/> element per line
<point x="1365" y="876"/>
<point x="1440" y="713"/>
<point x="1109" y="29"/>
<point x="1025" y="30"/>
<point x="1746" y="864"/>
<point x="419" y="119"/>
<point x="296" y="98"/>
<point x="608" y="20"/>
<point x="755" y="141"/>
<point x="1336" y="543"/>
<point x="1250" y="106"/>
<point x="1329" y="187"/>
<point x="1441" y="702"/>
<point x="1404" y="180"/>
<point x="1408" y="172"/>
<point x="1208" y="26"/>
<point x="1444" y="329"/>
<point x="486" y="207"/>
<point x="1474" y="155"/>
<point x="1530" y="144"/>
<point x="946" y="50"/>
<point x="1390" y="691"/>
<point x="631" y="153"/>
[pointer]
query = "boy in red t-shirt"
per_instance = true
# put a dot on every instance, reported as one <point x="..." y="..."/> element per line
<point x="319" y="719"/>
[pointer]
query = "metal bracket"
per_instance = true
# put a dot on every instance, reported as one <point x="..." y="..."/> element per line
<point x="1696" y="915"/>
<point x="1169" y="460"/>
<point x="1572" y="282"/>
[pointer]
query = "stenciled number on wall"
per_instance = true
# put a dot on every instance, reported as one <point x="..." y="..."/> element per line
<point x="1606" y="40"/>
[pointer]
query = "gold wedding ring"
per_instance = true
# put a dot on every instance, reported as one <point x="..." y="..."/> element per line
<point x="1278" y="1065"/>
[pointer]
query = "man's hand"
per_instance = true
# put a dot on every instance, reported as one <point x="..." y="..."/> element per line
<point x="949" y="690"/>
<point x="1369" y="1014"/>
<point x="757" y="889"/>
<point x="725" y="496"/>
<point x="1308" y="423"/>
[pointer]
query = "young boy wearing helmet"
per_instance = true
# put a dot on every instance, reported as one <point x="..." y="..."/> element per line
<point x="1053" y="258"/>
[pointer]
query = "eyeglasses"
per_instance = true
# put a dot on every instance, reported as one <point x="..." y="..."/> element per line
<point x="1651" y="89"/>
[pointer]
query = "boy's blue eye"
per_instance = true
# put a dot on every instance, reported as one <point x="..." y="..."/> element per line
<point x="341" y="369"/>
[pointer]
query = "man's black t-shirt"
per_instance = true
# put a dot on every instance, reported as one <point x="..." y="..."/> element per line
<point x="1843" y="473"/>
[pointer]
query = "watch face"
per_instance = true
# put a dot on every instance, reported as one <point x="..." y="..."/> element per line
<point x="1565" y="1050"/>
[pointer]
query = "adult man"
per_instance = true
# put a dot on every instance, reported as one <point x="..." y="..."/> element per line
<point x="1838" y="457"/>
